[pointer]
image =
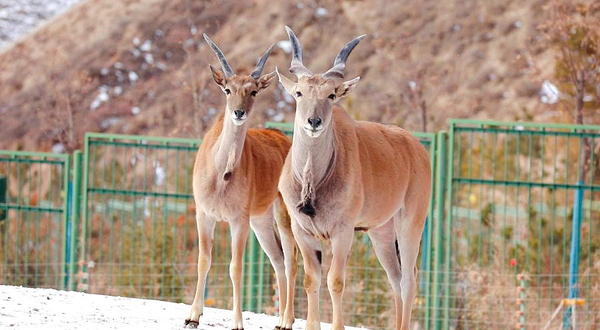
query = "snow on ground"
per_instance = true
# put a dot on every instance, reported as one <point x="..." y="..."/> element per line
<point x="19" y="17"/>
<point x="28" y="308"/>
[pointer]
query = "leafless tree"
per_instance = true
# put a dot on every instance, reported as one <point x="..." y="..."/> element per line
<point x="573" y="28"/>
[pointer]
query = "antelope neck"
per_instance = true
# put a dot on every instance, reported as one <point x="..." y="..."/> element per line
<point x="229" y="146"/>
<point x="312" y="158"/>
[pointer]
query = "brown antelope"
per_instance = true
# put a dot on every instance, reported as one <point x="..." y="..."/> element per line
<point x="235" y="180"/>
<point x="344" y="175"/>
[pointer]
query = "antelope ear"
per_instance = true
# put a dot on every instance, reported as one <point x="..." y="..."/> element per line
<point x="346" y="87"/>
<point x="288" y="84"/>
<point x="218" y="76"/>
<point x="265" y="80"/>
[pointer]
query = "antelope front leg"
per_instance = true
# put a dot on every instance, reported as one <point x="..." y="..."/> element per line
<point x="290" y="253"/>
<point x="206" y="232"/>
<point x="264" y="228"/>
<point x="341" y="243"/>
<point x="311" y="254"/>
<point x="239" y="235"/>
<point x="386" y="249"/>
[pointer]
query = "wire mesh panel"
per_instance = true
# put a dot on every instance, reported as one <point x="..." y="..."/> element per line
<point x="140" y="237"/>
<point x="509" y="238"/>
<point x="368" y="298"/>
<point x="33" y="219"/>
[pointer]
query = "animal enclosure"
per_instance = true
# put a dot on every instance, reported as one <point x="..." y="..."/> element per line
<point x="509" y="217"/>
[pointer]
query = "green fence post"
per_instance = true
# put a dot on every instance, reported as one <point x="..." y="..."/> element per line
<point x="428" y="254"/>
<point x="252" y="278"/>
<point x="448" y="222"/>
<point x="84" y="213"/>
<point x="574" y="255"/>
<point x="261" y="282"/>
<point x="65" y="212"/>
<point x="3" y="211"/>
<point x="440" y="175"/>
<point x="75" y="214"/>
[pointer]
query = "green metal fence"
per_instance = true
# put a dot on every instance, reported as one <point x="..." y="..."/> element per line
<point x="35" y="231"/>
<point x="509" y="229"/>
<point x="512" y="229"/>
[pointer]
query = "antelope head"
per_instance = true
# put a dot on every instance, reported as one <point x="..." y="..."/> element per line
<point x="315" y="94"/>
<point x="240" y="90"/>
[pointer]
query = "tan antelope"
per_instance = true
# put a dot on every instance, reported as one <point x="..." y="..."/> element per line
<point x="235" y="180"/>
<point x="344" y="175"/>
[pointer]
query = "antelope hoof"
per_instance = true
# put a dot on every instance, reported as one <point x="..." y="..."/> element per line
<point x="277" y="328"/>
<point x="189" y="324"/>
<point x="238" y="329"/>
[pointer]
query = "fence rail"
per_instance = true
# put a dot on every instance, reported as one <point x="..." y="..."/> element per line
<point x="511" y="231"/>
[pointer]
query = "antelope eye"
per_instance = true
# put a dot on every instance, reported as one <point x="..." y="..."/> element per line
<point x="331" y="96"/>
<point x="298" y="94"/>
<point x="253" y="93"/>
<point x="227" y="91"/>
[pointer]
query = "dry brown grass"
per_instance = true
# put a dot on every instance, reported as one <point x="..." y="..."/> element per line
<point x="474" y="58"/>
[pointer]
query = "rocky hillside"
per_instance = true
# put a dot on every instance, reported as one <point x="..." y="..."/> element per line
<point x="18" y="18"/>
<point x="141" y="66"/>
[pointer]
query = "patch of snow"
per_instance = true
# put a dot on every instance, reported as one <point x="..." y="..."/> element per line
<point x="108" y="122"/>
<point x="285" y="45"/>
<point x="135" y="110"/>
<point x="133" y="77"/>
<point x="117" y="90"/>
<point x="103" y="93"/>
<point x="412" y="85"/>
<point x="100" y="98"/>
<point x="136" y="52"/>
<point x="146" y="46"/>
<point x="149" y="58"/>
<point x="20" y="17"/>
<point x="136" y="41"/>
<point x="118" y="65"/>
<point x="588" y="98"/>
<point x="29" y="308"/>
<point x="58" y="148"/>
<point x="517" y="24"/>
<point x="321" y="12"/>
<point x="162" y="66"/>
<point x="95" y="104"/>
<point x="549" y="93"/>
<point x="193" y="30"/>
<point x="120" y="77"/>
<point x="104" y="71"/>
<point x="159" y="174"/>
<point x="159" y="33"/>
<point x="456" y="27"/>
<point x="300" y="5"/>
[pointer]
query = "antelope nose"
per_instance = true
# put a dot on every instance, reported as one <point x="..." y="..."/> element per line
<point x="314" y="122"/>
<point x="239" y="113"/>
